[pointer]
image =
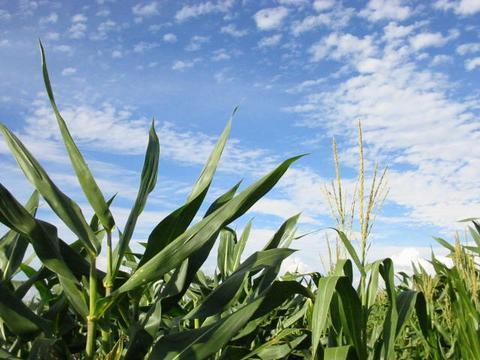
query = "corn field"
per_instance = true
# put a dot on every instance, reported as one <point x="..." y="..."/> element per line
<point x="159" y="304"/>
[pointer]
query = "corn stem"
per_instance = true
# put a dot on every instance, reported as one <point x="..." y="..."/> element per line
<point x="91" y="319"/>
<point x="108" y="284"/>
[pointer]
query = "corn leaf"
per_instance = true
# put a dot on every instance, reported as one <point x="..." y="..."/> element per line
<point x="17" y="316"/>
<point x="18" y="246"/>
<point x="178" y="221"/>
<point x="391" y="320"/>
<point x="147" y="184"/>
<point x="61" y="204"/>
<point x="240" y="246"/>
<point x="226" y="249"/>
<point x="285" y="232"/>
<point x="196" y="260"/>
<point x="85" y="177"/>
<point x="323" y="298"/>
<point x="195" y="237"/>
<point x="339" y="353"/>
<point x="225" y="292"/>
<point x="7" y="356"/>
<point x="44" y="240"/>
<point x="353" y="254"/>
<point x="201" y="343"/>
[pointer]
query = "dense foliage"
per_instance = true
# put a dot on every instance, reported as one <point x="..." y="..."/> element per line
<point x="158" y="304"/>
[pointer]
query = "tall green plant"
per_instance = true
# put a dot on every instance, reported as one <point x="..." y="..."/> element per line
<point x="164" y="307"/>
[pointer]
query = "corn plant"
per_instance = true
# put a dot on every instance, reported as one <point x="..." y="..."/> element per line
<point x="452" y="299"/>
<point x="157" y="304"/>
<point x="341" y="320"/>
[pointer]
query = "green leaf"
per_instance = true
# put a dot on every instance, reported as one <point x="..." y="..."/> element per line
<point x="284" y="233"/>
<point x="349" y="310"/>
<point x="240" y="246"/>
<point x="48" y="349"/>
<point x="178" y="221"/>
<point x="17" y="316"/>
<point x="5" y="355"/>
<point x="223" y="199"/>
<point x="344" y="267"/>
<point x="279" y="347"/>
<point x="147" y="184"/>
<point x="198" y="258"/>
<point x="339" y="353"/>
<point x="391" y="319"/>
<point x="372" y="288"/>
<point x="444" y="243"/>
<point x="61" y="204"/>
<point x="226" y="249"/>
<point x="323" y="298"/>
<point x="216" y="301"/>
<point x="205" y="341"/>
<point x="406" y="301"/>
<point x="45" y="242"/>
<point x="205" y="178"/>
<point x="278" y="293"/>
<point x="199" y="234"/>
<point x="16" y="250"/>
<point x="85" y="177"/>
<point x="36" y="278"/>
<point x="353" y="254"/>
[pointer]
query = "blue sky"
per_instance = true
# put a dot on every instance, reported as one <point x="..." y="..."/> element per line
<point x="302" y="72"/>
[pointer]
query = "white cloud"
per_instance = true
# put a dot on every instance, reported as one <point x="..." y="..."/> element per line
<point x="67" y="49"/>
<point x="468" y="48"/>
<point x="69" y="71"/>
<point x="294" y="264"/>
<point x="79" y="18"/>
<point x="304" y="85"/>
<point x="269" y="41"/>
<point x="143" y="46"/>
<point x="460" y="7"/>
<point x="222" y="77"/>
<point x="404" y="256"/>
<point x="154" y="28"/>
<point x="300" y="3"/>
<point x="231" y="29"/>
<point x="181" y="65"/>
<point x="322" y="5"/>
<point x="4" y="42"/>
<point x="221" y="54"/>
<point x="472" y="64"/>
<point x="426" y="39"/>
<point x="103" y="12"/>
<point x="104" y="28"/>
<point x="203" y="8"/>
<point x="129" y="135"/>
<point x="79" y="27"/>
<point x="394" y="31"/>
<point x="145" y="9"/>
<point x="338" y="46"/>
<point x="410" y="121"/>
<point x="442" y="59"/>
<point x="301" y="108"/>
<point x="28" y="7"/>
<point x="117" y="54"/>
<point x="270" y="18"/>
<point x="196" y="42"/>
<point x="169" y="38"/>
<point x="377" y="10"/>
<point x="52" y="36"/>
<point x="338" y="18"/>
<point x="50" y="19"/>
